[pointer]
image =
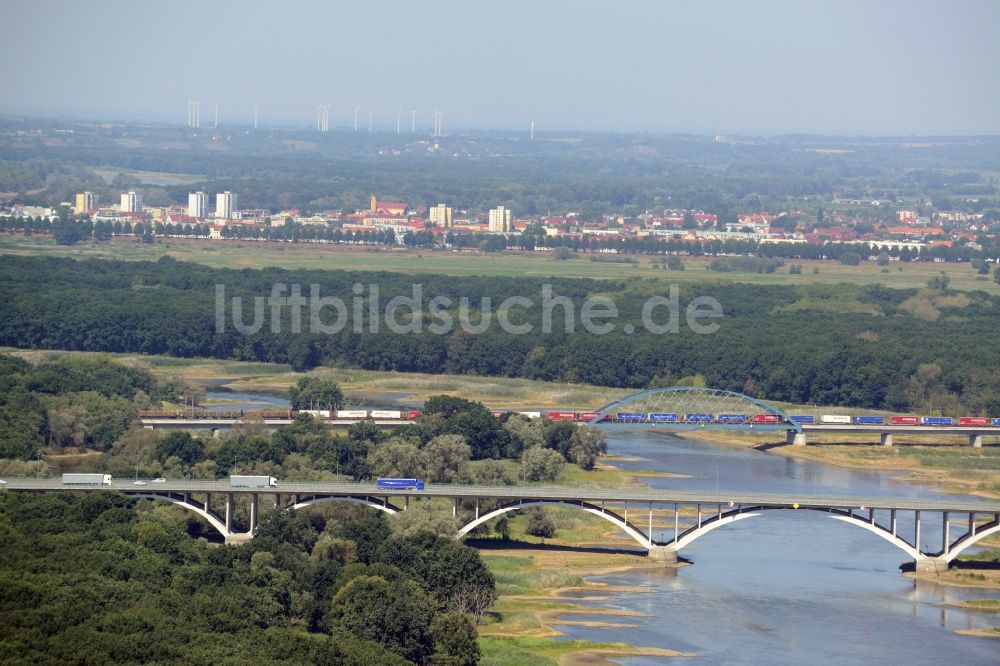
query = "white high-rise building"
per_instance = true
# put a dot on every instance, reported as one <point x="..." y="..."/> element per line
<point x="501" y="220"/>
<point x="131" y="202"/>
<point x="440" y="216"/>
<point x="198" y="204"/>
<point x="225" y="204"/>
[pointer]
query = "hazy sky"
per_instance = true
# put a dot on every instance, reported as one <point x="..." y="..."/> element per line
<point x="766" y="66"/>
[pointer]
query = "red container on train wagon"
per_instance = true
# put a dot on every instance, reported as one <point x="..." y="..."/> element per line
<point x="973" y="421"/>
<point x="561" y="416"/>
<point x="413" y="413"/>
<point x="586" y="417"/>
<point x="766" y="418"/>
<point x="905" y="420"/>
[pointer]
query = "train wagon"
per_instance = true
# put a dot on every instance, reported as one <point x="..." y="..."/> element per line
<point x="587" y="417"/>
<point x="413" y="414"/>
<point x="531" y="415"/>
<point x="663" y="417"/>
<point x="802" y="418"/>
<point x="733" y="418"/>
<point x="768" y="419"/>
<point x="318" y="413"/>
<point x="996" y="422"/>
<point x="386" y="414"/>
<point x="561" y="416"/>
<point x="936" y="420"/>
<point x="869" y="420"/>
<point x="973" y="421"/>
<point x="699" y="418"/>
<point x="629" y="417"/>
<point x="352" y="413"/>
<point x="834" y="418"/>
<point x="905" y="420"/>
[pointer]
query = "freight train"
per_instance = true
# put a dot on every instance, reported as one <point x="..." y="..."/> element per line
<point x="339" y="414"/>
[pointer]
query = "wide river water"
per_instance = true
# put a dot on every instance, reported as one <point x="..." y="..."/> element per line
<point x="786" y="587"/>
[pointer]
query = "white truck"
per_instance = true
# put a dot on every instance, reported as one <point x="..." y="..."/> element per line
<point x="253" y="481"/>
<point x="86" y="479"/>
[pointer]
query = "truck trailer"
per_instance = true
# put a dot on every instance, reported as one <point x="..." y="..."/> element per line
<point x="253" y="481"/>
<point x="86" y="479"/>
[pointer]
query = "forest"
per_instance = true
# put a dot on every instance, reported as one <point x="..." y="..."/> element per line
<point x="98" y="578"/>
<point x="926" y="349"/>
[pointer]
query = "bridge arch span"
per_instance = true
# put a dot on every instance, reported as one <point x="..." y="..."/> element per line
<point x="969" y="539"/>
<point x="682" y="400"/>
<point x="601" y="512"/>
<point x="373" y="502"/>
<point x="727" y="517"/>
<point x="192" y="506"/>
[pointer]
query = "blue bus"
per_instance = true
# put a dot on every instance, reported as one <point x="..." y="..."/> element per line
<point x="663" y="417"/>
<point x="400" y="484"/>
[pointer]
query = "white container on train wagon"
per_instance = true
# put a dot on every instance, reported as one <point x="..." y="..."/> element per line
<point x="352" y="413"/>
<point x="835" y="418"/>
<point x="386" y="414"/>
<point x="531" y="415"/>
<point x="323" y="413"/>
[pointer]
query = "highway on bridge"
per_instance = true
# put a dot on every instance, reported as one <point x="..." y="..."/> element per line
<point x="529" y="492"/>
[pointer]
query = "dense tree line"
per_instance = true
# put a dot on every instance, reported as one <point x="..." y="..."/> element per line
<point x="72" y="402"/>
<point x="843" y="345"/>
<point x="100" y="578"/>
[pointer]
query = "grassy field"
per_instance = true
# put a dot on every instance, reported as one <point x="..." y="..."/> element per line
<point x="250" y="254"/>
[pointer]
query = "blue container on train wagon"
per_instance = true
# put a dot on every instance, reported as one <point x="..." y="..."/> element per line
<point x="733" y="418"/>
<point x="699" y="418"/>
<point x="629" y="417"/>
<point x="995" y="422"/>
<point x="935" y="420"/>
<point x="803" y="419"/>
<point x="663" y="417"/>
<point x="869" y="420"/>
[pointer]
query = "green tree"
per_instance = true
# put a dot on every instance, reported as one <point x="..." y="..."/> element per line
<point x="455" y="641"/>
<point x="538" y="523"/>
<point x="443" y="456"/>
<point x="315" y="393"/>
<point x="541" y="464"/>
<point x="396" y="615"/>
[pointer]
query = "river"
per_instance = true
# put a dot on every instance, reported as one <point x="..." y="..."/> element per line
<point x="786" y="587"/>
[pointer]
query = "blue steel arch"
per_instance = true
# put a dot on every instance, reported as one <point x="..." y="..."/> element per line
<point x="693" y="399"/>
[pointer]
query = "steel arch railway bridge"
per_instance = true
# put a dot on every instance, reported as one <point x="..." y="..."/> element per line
<point x="905" y="523"/>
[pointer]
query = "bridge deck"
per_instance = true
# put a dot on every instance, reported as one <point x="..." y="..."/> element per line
<point x="528" y="492"/>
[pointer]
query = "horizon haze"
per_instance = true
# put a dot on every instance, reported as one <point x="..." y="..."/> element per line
<point x="776" y="67"/>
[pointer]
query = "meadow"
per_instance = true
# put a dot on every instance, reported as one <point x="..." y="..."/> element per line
<point x="253" y="254"/>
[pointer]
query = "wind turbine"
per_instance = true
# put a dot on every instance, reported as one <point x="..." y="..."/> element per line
<point x="256" y="113"/>
<point x="356" y="109"/>
<point x="371" y="118"/>
<point x="398" y="111"/>
<point x="216" y="116"/>
<point x="532" y="129"/>
<point x="413" y="121"/>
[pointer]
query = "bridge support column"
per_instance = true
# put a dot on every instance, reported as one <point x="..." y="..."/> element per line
<point x="229" y="512"/>
<point x="886" y="439"/>
<point x="933" y="565"/>
<point x="253" y="512"/>
<point x="663" y="554"/>
<point x="795" y="438"/>
<point x="215" y="433"/>
<point x="976" y="440"/>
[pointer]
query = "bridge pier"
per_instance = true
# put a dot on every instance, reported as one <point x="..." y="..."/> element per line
<point x="663" y="554"/>
<point x="237" y="539"/>
<point x="795" y="438"/>
<point x="933" y="565"/>
<point x="886" y="438"/>
<point x="976" y="440"/>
